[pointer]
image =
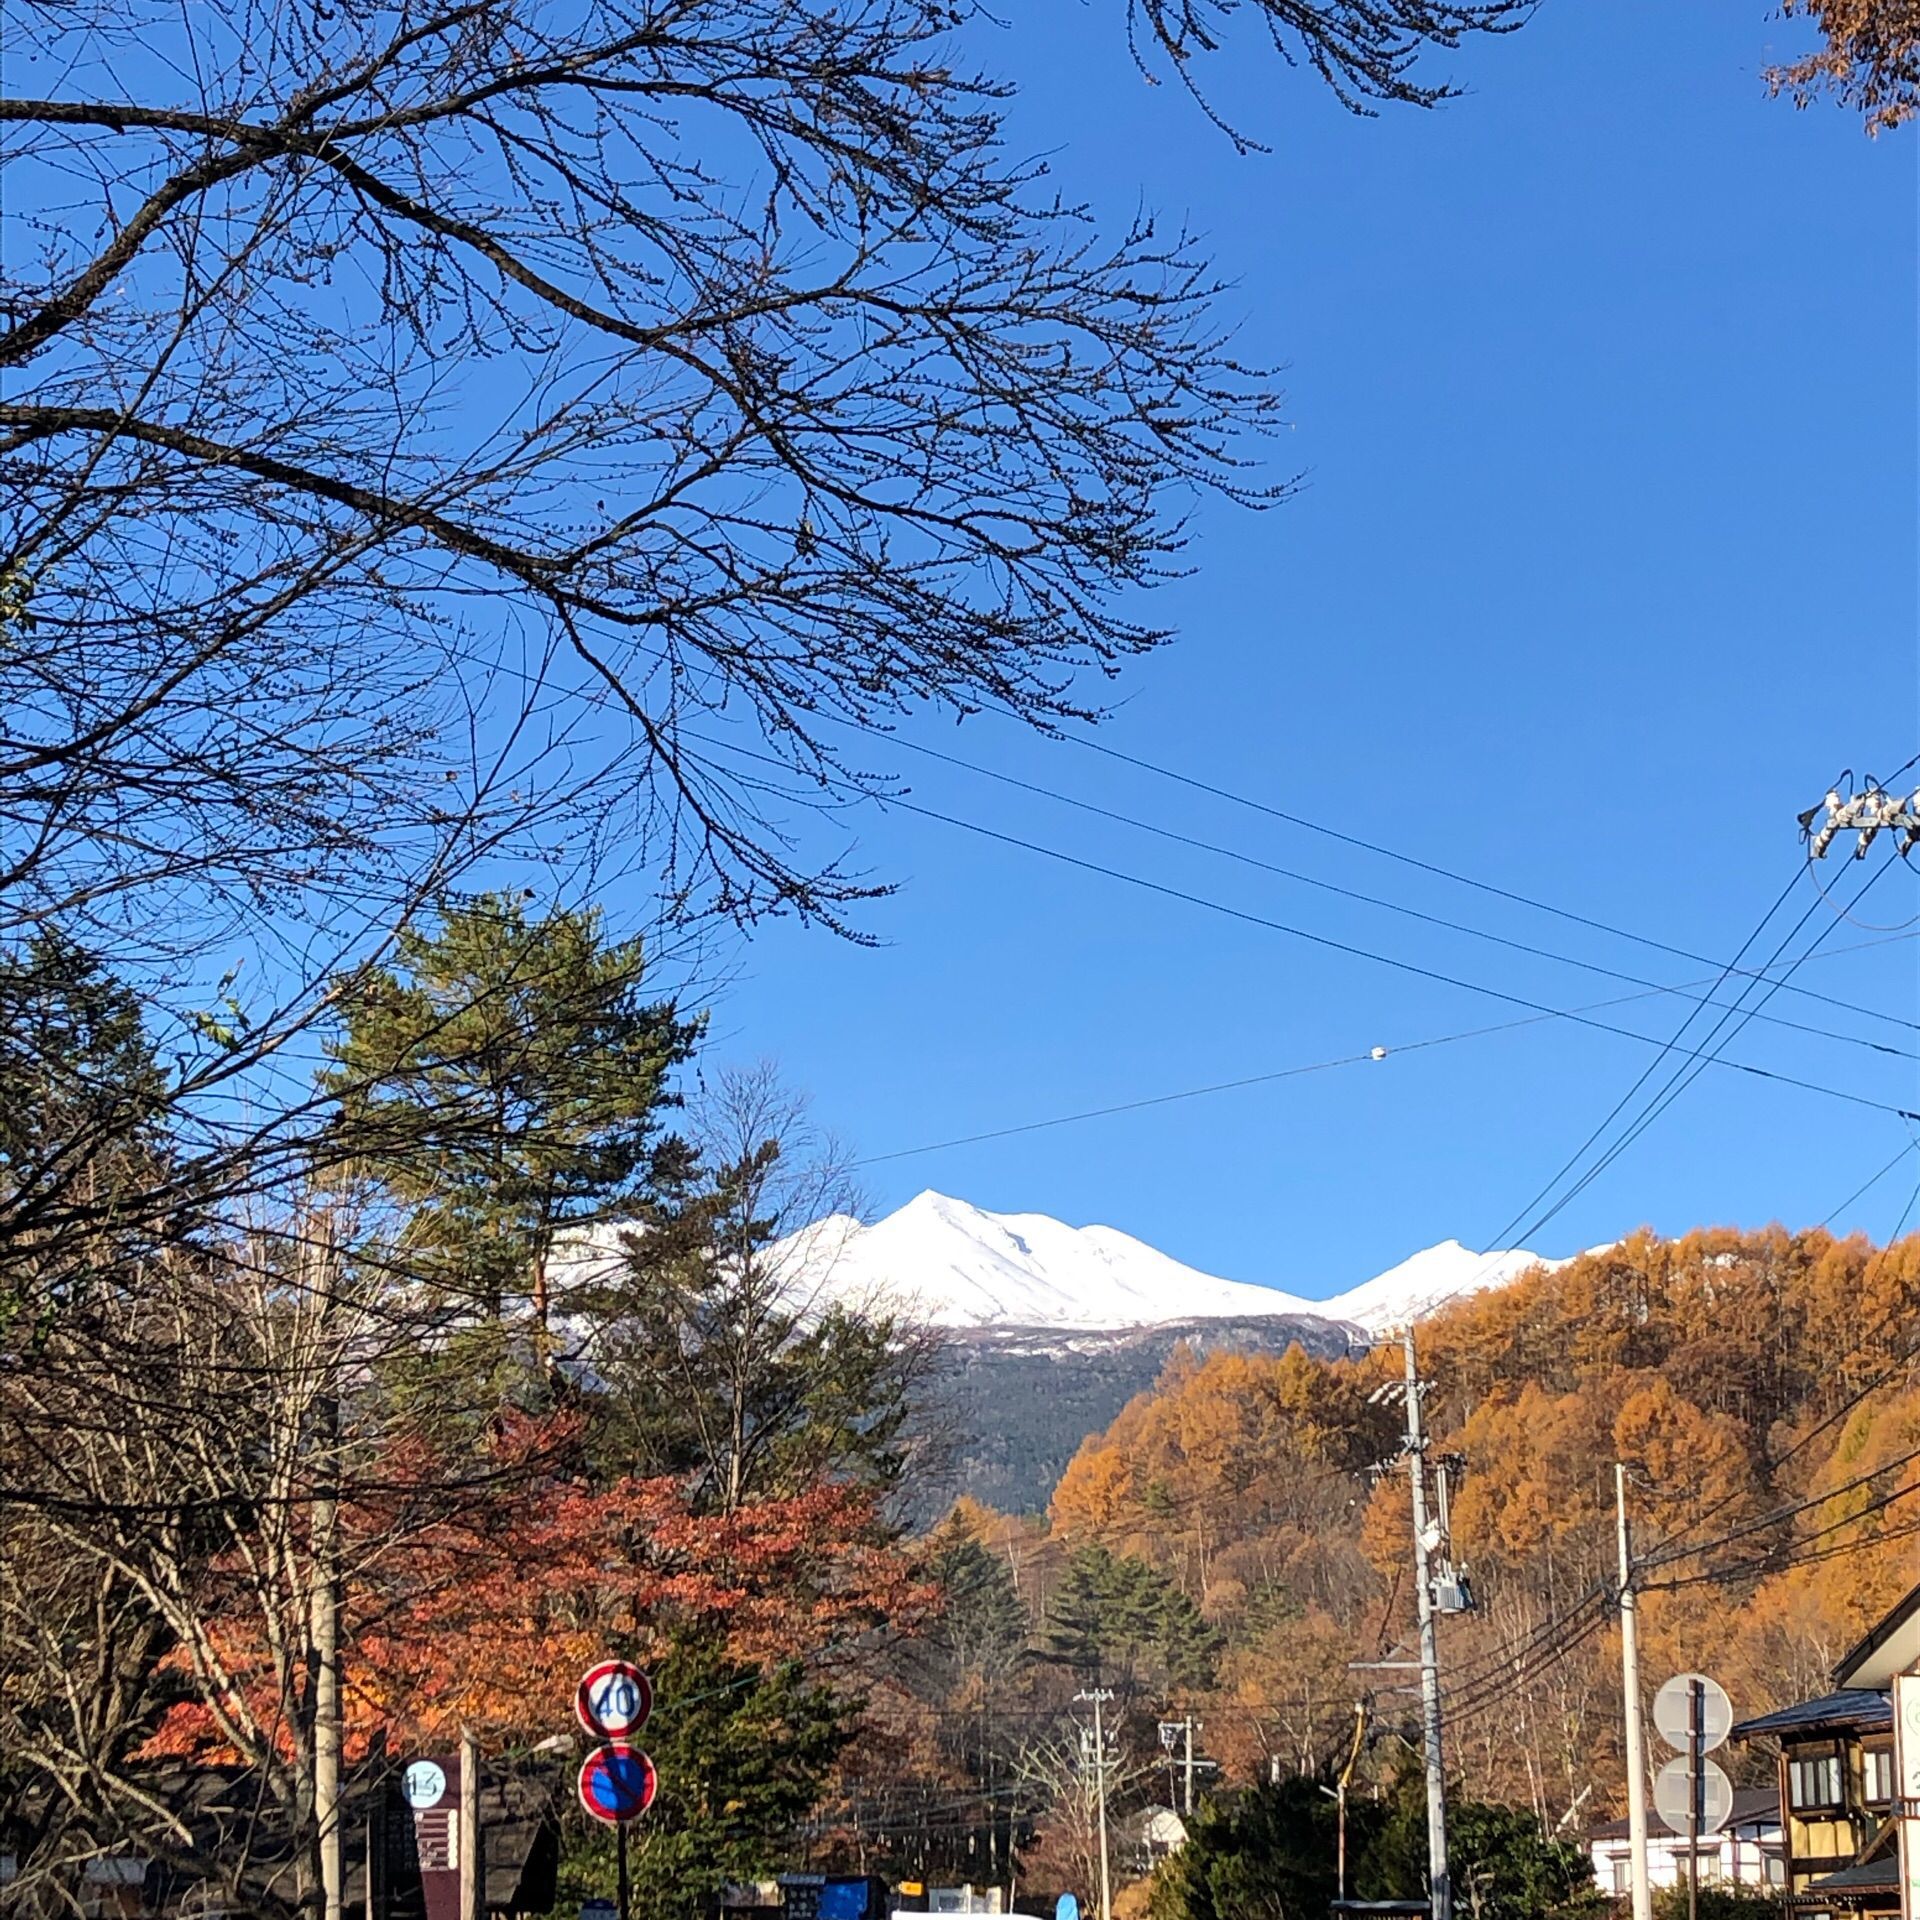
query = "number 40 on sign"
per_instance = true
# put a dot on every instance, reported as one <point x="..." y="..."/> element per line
<point x="614" y="1700"/>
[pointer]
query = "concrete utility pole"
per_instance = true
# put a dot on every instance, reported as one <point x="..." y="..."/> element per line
<point x="1188" y="1801"/>
<point x="326" y="1703"/>
<point x="321" y="1263"/>
<point x="1439" y="1882"/>
<point x="1630" y="1692"/>
<point x="1098" y="1695"/>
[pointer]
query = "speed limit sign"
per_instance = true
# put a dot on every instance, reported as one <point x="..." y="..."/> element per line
<point x="614" y="1699"/>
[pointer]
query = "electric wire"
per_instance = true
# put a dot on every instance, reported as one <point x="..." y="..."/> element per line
<point x="1111" y="752"/>
<point x="1684" y="1076"/>
<point x="1369" y="1057"/>
<point x="1675" y="1085"/>
<point x="1351" y="951"/>
<point x="1646" y="1073"/>
<point x="1867" y="1186"/>
<point x="1374" y="900"/>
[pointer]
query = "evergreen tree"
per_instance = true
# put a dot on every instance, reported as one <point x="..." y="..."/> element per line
<point x="1267" y="1854"/>
<point x="982" y="1628"/>
<point x="718" y="1350"/>
<point x="506" y="1077"/>
<point x="1117" y="1619"/>
<point x="83" y="1101"/>
<point x="1505" y="1865"/>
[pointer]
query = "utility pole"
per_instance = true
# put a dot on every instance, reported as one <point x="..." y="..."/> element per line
<point x="1187" y="1803"/>
<point x="1439" y="1883"/>
<point x="1098" y="1695"/>
<point x="321" y="1261"/>
<point x="1630" y="1692"/>
<point x="326" y="1694"/>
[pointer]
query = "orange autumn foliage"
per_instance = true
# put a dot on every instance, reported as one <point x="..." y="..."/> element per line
<point x="1760" y="1384"/>
<point x="485" y="1612"/>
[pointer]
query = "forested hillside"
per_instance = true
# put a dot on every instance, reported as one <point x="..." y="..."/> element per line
<point x="1761" y="1385"/>
<point x="1019" y="1401"/>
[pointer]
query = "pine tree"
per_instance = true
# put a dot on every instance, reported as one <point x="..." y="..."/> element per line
<point x="982" y="1629"/>
<point x="505" y="1078"/>
<point x="1120" y="1620"/>
<point x="83" y="1101"/>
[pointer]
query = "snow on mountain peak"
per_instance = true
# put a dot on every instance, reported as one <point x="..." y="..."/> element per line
<point x="958" y="1265"/>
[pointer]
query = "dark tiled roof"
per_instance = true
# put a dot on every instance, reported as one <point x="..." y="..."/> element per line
<point x="1868" y="1876"/>
<point x="1854" y="1710"/>
<point x="1752" y="1806"/>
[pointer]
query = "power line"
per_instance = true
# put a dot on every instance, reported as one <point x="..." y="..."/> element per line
<point x="1678" y="1082"/>
<point x="1431" y="867"/>
<point x="1380" y="959"/>
<point x="1646" y="1073"/>
<point x="1867" y="1186"/>
<point x="1370" y="1057"/>
<point x="1374" y="900"/>
<point x="1684" y="1076"/>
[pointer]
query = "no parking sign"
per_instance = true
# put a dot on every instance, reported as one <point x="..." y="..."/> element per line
<point x="617" y="1783"/>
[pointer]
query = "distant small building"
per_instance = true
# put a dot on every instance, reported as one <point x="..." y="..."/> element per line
<point x="1749" y="1851"/>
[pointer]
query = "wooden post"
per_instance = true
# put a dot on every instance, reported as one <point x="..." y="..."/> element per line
<point x="473" y="1885"/>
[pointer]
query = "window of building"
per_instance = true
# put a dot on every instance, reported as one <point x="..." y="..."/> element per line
<point x="1876" y="1776"/>
<point x="1622" y="1874"/>
<point x="1813" y="1781"/>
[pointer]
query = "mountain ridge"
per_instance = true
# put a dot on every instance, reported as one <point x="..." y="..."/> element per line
<point x="960" y="1266"/>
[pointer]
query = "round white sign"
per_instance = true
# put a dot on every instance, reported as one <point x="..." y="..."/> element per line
<point x="423" y="1783"/>
<point x="1670" y="1795"/>
<point x="1673" y="1710"/>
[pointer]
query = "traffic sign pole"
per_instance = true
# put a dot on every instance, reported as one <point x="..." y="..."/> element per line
<point x="1696" y="1787"/>
<point x="617" y="1781"/>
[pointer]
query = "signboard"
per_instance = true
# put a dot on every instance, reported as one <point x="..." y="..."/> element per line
<point x="613" y="1700"/>
<point x="598" y="1910"/>
<point x="427" y="1835"/>
<point x="1672" y="1789"/>
<point x="1906" y="1771"/>
<point x="423" y="1784"/>
<point x="617" y="1783"/>
<point x="1673" y="1705"/>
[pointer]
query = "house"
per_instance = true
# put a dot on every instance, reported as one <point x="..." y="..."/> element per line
<point x="1836" y="1795"/>
<point x="1749" y="1851"/>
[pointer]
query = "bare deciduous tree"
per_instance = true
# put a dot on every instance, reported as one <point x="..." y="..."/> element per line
<point x="401" y="391"/>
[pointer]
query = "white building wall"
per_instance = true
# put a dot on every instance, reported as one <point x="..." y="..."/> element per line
<point x="1751" y="1855"/>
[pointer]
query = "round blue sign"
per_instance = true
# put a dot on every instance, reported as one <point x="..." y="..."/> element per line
<point x="617" y="1783"/>
<point x="1066" y="1908"/>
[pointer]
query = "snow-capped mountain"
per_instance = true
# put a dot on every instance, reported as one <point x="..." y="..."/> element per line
<point x="958" y="1265"/>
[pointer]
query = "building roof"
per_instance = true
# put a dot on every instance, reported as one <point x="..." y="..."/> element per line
<point x="1864" y="1876"/>
<point x="1752" y="1807"/>
<point x="1892" y="1646"/>
<point x="1852" y="1710"/>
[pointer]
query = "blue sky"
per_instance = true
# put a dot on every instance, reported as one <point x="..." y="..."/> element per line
<point x="1602" y="384"/>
